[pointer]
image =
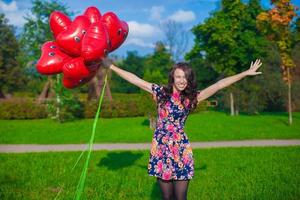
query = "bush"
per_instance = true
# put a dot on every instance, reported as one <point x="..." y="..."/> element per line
<point x="24" y="108"/>
<point x="68" y="109"/>
<point x="122" y="105"/>
<point x="115" y="108"/>
<point x="128" y="105"/>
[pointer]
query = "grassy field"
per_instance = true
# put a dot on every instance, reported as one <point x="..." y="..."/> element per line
<point x="206" y="126"/>
<point x="224" y="173"/>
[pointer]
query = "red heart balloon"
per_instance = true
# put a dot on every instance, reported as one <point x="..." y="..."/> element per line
<point x="117" y="29"/>
<point x="70" y="83"/>
<point x="70" y="40"/>
<point x="52" y="59"/>
<point x="93" y="66"/>
<point x="58" y="22"/>
<point x="87" y="79"/>
<point x="95" y="44"/>
<point x="93" y="14"/>
<point x="76" y="69"/>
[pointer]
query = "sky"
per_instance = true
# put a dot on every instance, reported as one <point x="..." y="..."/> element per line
<point x="145" y="18"/>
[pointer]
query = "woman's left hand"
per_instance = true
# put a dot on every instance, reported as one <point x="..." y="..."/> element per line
<point x="253" y="68"/>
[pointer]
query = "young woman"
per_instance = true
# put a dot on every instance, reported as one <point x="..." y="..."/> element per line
<point x="171" y="157"/>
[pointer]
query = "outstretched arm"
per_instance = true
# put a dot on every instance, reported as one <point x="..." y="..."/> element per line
<point x="209" y="91"/>
<point x="130" y="77"/>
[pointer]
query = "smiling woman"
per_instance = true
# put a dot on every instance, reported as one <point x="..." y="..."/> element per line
<point x="171" y="157"/>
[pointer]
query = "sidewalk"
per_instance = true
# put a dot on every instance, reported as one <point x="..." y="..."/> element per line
<point x="24" y="148"/>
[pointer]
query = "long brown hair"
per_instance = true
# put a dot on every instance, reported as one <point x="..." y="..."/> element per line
<point x="190" y="92"/>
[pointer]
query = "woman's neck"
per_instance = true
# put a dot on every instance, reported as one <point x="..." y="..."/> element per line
<point x="175" y="91"/>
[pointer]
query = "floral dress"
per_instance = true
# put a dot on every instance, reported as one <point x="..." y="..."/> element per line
<point x="171" y="156"/>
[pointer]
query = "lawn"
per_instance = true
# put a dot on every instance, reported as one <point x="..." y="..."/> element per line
<point x="206" y="126"/>
<point x="221" y="173"/>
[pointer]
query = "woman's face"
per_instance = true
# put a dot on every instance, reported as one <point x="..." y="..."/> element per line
<point x="180" y="81"/>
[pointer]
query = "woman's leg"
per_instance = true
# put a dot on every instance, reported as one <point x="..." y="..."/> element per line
<point x="181" y="188"/>
<point x="166" y="189"/>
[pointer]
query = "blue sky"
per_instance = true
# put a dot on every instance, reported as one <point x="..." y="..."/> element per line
<point x="145" y="18"/>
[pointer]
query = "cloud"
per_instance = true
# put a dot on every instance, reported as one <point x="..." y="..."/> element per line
<point x="12" y="6"/>
<point x="183" y="16"/>
<point x="16" y="18"/>
<point x="155" y="12"/>
<point x="142" y="34"/>
<point x="142" y="30"/>
<point x="14" y="15"/>
<point x="138" y="42"/>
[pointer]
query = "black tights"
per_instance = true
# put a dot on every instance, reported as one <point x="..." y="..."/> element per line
<point x="173" y="189"/>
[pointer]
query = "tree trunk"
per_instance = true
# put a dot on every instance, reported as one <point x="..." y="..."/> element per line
<point x="289" y="97"/>
<point x="58" y="101"/>
<point x="237" y="111"/>
<point x="45" y="92"/>
<point x="2" y="96"/>
<point x="96" y="85"/>
<point x="92" y="93"/>
<point x="231" y="104"/>
<point x="108" y="92"/>
<point x="152" y="121"/>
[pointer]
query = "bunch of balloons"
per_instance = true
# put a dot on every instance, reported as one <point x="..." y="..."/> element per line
<point x="80" y="45"/>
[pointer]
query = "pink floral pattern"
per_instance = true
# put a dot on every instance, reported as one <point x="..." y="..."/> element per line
<point x="171" y="156"/>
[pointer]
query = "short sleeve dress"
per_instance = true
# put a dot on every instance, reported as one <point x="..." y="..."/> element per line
<point x="171" y="156"/>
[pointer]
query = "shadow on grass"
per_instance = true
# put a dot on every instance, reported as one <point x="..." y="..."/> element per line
<point x="119" y="160"/>
<point x="155" y="194"/>
<point x="146" y="122"/>
<point x="201" y="168"/>
<point x="283" y="121"/>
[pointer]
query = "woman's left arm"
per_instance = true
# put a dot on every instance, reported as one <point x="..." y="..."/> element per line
<point x="209" y="91"/>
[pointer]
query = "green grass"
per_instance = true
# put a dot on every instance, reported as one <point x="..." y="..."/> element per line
<point x="206" y="126"/>
<point x="225" y="173"/>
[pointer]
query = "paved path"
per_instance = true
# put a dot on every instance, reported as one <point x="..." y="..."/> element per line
<point x="23" y="148"/>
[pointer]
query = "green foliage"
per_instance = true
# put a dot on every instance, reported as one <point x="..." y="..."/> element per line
<point x="153" y="68"/>
<point x="229" y="39"/>
<point x="69" y="110"/>
<point x="225" y="44"/>
<point x="11" y="76"/>
<point x="160" y="60"/>
<point x="205" y="73"/>
<point x="123" y="105"/>
<point x="132" y="63"/>
<point x="261" y="93"/>
<point x="66" y="106"/>
<point x="154" y="76"/>
<point x="21" y="109"/>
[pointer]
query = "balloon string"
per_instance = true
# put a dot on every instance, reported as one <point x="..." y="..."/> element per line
<point x="90" y="143"/>
<point x="82" y="179"/>
<point x="78" y="159"/>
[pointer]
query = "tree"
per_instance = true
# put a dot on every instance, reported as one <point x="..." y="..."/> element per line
<point x="176" y="38"/>
<point x="10" y="72"/>
<point x="133" y="63"/>
<point x="275" y="24"/>
<point x="228" y="40"/>
<point x="159" y="62"/>
<point x="37" y="31"/>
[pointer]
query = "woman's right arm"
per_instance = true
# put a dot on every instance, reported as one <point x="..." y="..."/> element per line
<point x="132" y="78"/>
